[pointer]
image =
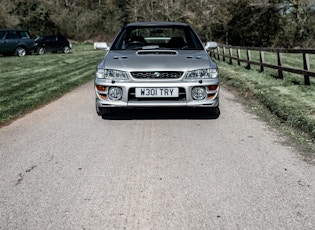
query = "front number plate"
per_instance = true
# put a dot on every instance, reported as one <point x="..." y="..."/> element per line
<point x="156" y="92"/>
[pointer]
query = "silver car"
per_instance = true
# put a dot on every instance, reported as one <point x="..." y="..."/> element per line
<point x="157" y="64"/>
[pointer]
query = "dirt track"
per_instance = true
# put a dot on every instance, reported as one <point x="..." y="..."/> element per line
<point x="63" y="167"/>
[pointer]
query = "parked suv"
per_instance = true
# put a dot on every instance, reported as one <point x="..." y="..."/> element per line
<point x="15" y="41"/>
<point x="52" y="43"/>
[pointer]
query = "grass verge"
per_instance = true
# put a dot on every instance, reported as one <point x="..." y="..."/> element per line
<point x="286" y="103"/>
<point x="34" y="80"/>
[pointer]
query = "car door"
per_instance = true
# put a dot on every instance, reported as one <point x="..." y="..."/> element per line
<point x="2" y="44"/>
<point x="47" y="43"/>
<point x="11" y="41"/>
<point x="53" y="43"/>
<point x="26" y="39"/>
<point x="61" y="42"/>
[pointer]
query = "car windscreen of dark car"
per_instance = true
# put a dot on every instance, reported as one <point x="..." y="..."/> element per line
<point x="157" y="37"/>
<point x="46" y="38"/>
<point x="24" y="35"/>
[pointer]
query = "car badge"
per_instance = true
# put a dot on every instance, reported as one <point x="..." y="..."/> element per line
<point x="156" y="75"/>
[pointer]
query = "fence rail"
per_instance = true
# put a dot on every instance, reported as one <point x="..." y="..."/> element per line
<point x="226" y="52"/>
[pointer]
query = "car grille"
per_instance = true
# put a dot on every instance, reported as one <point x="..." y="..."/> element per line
<point x="157" y="75"/>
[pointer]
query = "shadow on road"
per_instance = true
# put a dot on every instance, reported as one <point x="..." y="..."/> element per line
<point x="162" y="114"/>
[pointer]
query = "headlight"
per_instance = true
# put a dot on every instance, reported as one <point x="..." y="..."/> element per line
<point x="202" y="74"/>
<point x="111" y="74"/>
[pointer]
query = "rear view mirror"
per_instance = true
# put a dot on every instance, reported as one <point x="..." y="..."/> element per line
<point x="211" y="45"/>
<point x="101" y="46"/>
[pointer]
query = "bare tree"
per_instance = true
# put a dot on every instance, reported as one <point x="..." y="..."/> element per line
<point x="207" y="16"/>
<point x="298" y="20"/>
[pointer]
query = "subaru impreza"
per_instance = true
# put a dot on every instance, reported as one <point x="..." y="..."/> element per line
<point x="157" y="64"/>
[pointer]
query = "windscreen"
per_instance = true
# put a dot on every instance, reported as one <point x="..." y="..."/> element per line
<point x="157" y="37"/>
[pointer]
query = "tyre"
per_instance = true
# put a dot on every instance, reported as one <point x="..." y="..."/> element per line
<point x="20" y="51"/>
<point x="40" y="50"/>
<point x="66" y="49"/>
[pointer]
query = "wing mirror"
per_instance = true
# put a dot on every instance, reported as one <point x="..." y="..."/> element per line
<point x="101" y="46"/>
<point x="211" y="45"/>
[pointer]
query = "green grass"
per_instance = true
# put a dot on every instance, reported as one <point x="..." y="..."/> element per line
<point x="289" y="100"/>
<point x="34" y="80"/>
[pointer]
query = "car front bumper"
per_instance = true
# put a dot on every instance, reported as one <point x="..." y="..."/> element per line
<point x="184" y="99"/>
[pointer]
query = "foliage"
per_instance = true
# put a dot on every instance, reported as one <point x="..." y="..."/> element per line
<point x="259" y="30"/>
<point x="238" y="22"/>
<point x="297" y="24"/>
<point x="34" y="14"/>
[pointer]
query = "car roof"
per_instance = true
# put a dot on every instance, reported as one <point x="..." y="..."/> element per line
<point x="156" y="24"/>
<point x="52" y="36"/>
<point x="11" y="29"/>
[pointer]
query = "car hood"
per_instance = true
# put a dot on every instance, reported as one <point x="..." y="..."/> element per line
<point x="157" y="60"/>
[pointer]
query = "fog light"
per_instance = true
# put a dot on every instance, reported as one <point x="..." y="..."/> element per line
<point x="115" y="93"/>
<point x="198" y="93"/>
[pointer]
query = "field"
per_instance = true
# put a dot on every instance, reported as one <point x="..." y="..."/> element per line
<point x="34" y="80"/>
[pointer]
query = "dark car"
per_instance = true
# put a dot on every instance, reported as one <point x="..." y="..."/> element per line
<point x="15" y="41"/>
<point x="52" y="43"/>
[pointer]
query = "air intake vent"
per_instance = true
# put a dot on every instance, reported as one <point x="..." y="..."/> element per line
<point x="157" y="52"/>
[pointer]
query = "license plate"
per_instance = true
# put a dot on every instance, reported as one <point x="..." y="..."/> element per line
<point x="156" y="92"/>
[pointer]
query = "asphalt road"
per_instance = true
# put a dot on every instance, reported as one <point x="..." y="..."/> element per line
<point x="63" y="167"/>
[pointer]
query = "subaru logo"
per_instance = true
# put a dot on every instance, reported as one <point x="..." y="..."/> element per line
<point x="156" y="75"/>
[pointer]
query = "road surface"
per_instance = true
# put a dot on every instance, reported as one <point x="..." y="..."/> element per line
<point x="63" y="167"/>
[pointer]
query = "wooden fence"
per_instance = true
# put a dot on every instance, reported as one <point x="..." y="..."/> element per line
<point x="231" y="53"/>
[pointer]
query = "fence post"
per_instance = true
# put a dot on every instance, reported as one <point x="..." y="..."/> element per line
<point x="238" y="56"/>
<point x="262" y="60"/>
<point x="223" y="52"/>
<point x="306" y="63"/>
<point x="249" y="58"/>
<point x="218" y="53"/>
<point x="230" y="54"/>
<point x="212" y="53"/>
<point x="279" y="56"/>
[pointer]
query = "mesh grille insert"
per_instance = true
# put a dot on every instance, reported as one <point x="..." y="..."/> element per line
<point x="157" y="75"/>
